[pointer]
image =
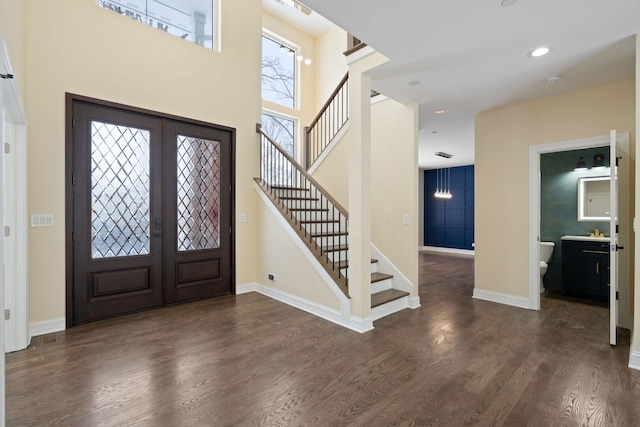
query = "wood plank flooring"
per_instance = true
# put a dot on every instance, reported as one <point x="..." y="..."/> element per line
<point x="252" y="361"/>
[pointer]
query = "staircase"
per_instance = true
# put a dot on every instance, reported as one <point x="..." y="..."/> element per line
<point x="322" y="224"/>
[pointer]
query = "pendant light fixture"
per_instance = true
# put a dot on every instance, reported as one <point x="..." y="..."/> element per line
<point x="443" y="182"/>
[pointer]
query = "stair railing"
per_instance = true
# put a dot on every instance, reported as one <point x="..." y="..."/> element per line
<point x="307" y="206"/>
<point x="332" y="117"/>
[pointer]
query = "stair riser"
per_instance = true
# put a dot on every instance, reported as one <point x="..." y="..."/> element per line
<point x="331" y="240"/>
<point x="337" y="256"/>
<point x="382" y="285"/>
<point x="315" y="215"/>
<point x="324" y="227"/>
<point x="291" y="193"/>
<point x="303" y="204"/>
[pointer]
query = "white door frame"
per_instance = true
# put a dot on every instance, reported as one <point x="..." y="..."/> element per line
<point x="534" y="200"/>
<point x="12" y="131"/>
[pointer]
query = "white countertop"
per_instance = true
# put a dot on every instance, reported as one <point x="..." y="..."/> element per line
<point x="587" y="238"/>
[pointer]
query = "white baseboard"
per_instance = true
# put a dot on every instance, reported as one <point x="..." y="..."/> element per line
<point x="414" y="302"/>
<point x="448" y="250"/>
<point x="634" y="360"/>
<point x="47" y="327"/>
<point x="501" y="298"/>
<point x="332" y="315"/>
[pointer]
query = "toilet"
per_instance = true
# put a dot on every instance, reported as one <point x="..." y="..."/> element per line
<point x="546" y="250"/>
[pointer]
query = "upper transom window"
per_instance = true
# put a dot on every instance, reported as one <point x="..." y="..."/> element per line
<point x="278" y="72"/>
<point x="193" y="20"/>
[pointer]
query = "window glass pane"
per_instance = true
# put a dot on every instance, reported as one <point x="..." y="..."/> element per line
<point x="198" y="193"/>
<point x="278" y="73"/>
<point x="191" y="20"/>
<point x="280" y="130"/>
<point x="120" y="185"/>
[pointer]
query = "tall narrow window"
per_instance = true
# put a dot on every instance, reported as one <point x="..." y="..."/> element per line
<point x="278" y="73"/>
<point x="281" y="130"/>
<point x="193" y="20"/>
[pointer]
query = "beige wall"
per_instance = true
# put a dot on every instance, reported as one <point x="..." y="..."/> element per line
<point x="331" y="63"/>
<point x="75" y="46"/>
<point x="12" y="28"/>
<point x="503" y="138"/>
<point x="280" y="256"/>
<point x="394" y="184"/>
<point x="332" y="172"/>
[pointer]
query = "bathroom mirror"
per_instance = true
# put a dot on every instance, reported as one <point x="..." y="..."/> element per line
<point x="593" y="198"/>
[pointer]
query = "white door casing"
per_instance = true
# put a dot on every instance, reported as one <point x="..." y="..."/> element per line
<point x="613" y="250"/>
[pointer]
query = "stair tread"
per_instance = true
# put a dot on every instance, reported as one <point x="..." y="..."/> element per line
<point x="320" y="221"/>
<point x="298" y="198"/>
<point x="329" y="234"/>
<point x="335" y="248"/>
<point x="345" y="263"/>
<point x="309" y="209"/>
<point x="378" y="277"/>
<point x="279" y="187"/>
<point x="386" y="296"/>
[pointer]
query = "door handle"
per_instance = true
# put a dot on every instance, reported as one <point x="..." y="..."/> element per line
<point x="157" y="226"/>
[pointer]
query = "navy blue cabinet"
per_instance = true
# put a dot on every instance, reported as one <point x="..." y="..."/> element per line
<point x="449" y="222"/>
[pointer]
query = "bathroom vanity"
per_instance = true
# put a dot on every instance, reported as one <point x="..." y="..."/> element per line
<point x="585" y="267"/>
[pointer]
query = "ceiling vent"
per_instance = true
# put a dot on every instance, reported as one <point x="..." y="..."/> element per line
<point x="443" y="154"/>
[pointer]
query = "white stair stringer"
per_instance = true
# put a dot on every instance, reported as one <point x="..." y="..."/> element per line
<point x="325" y="153"/>
<point x="342" y="318"/>
<point x="399" y="282"/>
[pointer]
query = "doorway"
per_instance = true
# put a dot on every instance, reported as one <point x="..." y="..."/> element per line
<point x="152" y="210"/>
<point x="624" y="217"/>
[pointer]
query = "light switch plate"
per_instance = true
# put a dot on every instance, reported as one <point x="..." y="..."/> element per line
<point x="42" y="220"/>
<point x="242" y="217"/>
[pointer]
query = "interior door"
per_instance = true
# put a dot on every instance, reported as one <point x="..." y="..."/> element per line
<point x="117" y="198"/>
<point x="613" y="252"/>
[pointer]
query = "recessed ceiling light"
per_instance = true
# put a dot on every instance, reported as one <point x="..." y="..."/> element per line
<point x="506" y="3"/>
<point x="414" y="82"/>
<point x="434" y="131"/>
<point x="541" y="51"/>
<point x="439" y="111"/>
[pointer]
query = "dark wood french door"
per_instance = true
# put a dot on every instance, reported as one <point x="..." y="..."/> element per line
<point x="152" y="211"/>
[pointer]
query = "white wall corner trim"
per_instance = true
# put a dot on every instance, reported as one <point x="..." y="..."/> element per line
<point x="46" y="327"/>
<point x="501" y="298"/>
<point x="414" y="302"/>
<point x="332" y="315"/>
<point x="634" y="360"/>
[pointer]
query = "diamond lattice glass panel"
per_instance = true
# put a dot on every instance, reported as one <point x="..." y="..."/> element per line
<point x="120" y="217"/>
<point x="198" y="194"/>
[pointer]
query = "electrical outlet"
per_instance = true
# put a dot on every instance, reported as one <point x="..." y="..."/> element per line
<point x="271" y="277"/>
<point x="405" y="219"/>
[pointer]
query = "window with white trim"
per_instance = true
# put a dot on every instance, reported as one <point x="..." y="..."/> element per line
<point x="192" y="20"/>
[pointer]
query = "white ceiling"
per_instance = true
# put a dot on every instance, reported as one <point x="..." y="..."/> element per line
<point x="313" y="24"/>
<point x="470" y="56"/>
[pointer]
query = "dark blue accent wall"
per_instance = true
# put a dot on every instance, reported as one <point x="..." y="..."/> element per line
<point x="449" y="223"/>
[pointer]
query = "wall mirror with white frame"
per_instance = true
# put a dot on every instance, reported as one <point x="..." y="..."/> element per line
<point x="594" y="198"/>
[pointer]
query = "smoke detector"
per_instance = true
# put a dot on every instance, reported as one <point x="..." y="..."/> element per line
<point x="554" y="78"/>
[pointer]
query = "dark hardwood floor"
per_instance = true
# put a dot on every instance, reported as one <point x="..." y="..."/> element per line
<point x="252" y="361"/>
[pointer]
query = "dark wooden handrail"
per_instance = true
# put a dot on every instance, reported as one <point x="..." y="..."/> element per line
<point x="300" y="169"/>
<point x="329" y="100"/>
